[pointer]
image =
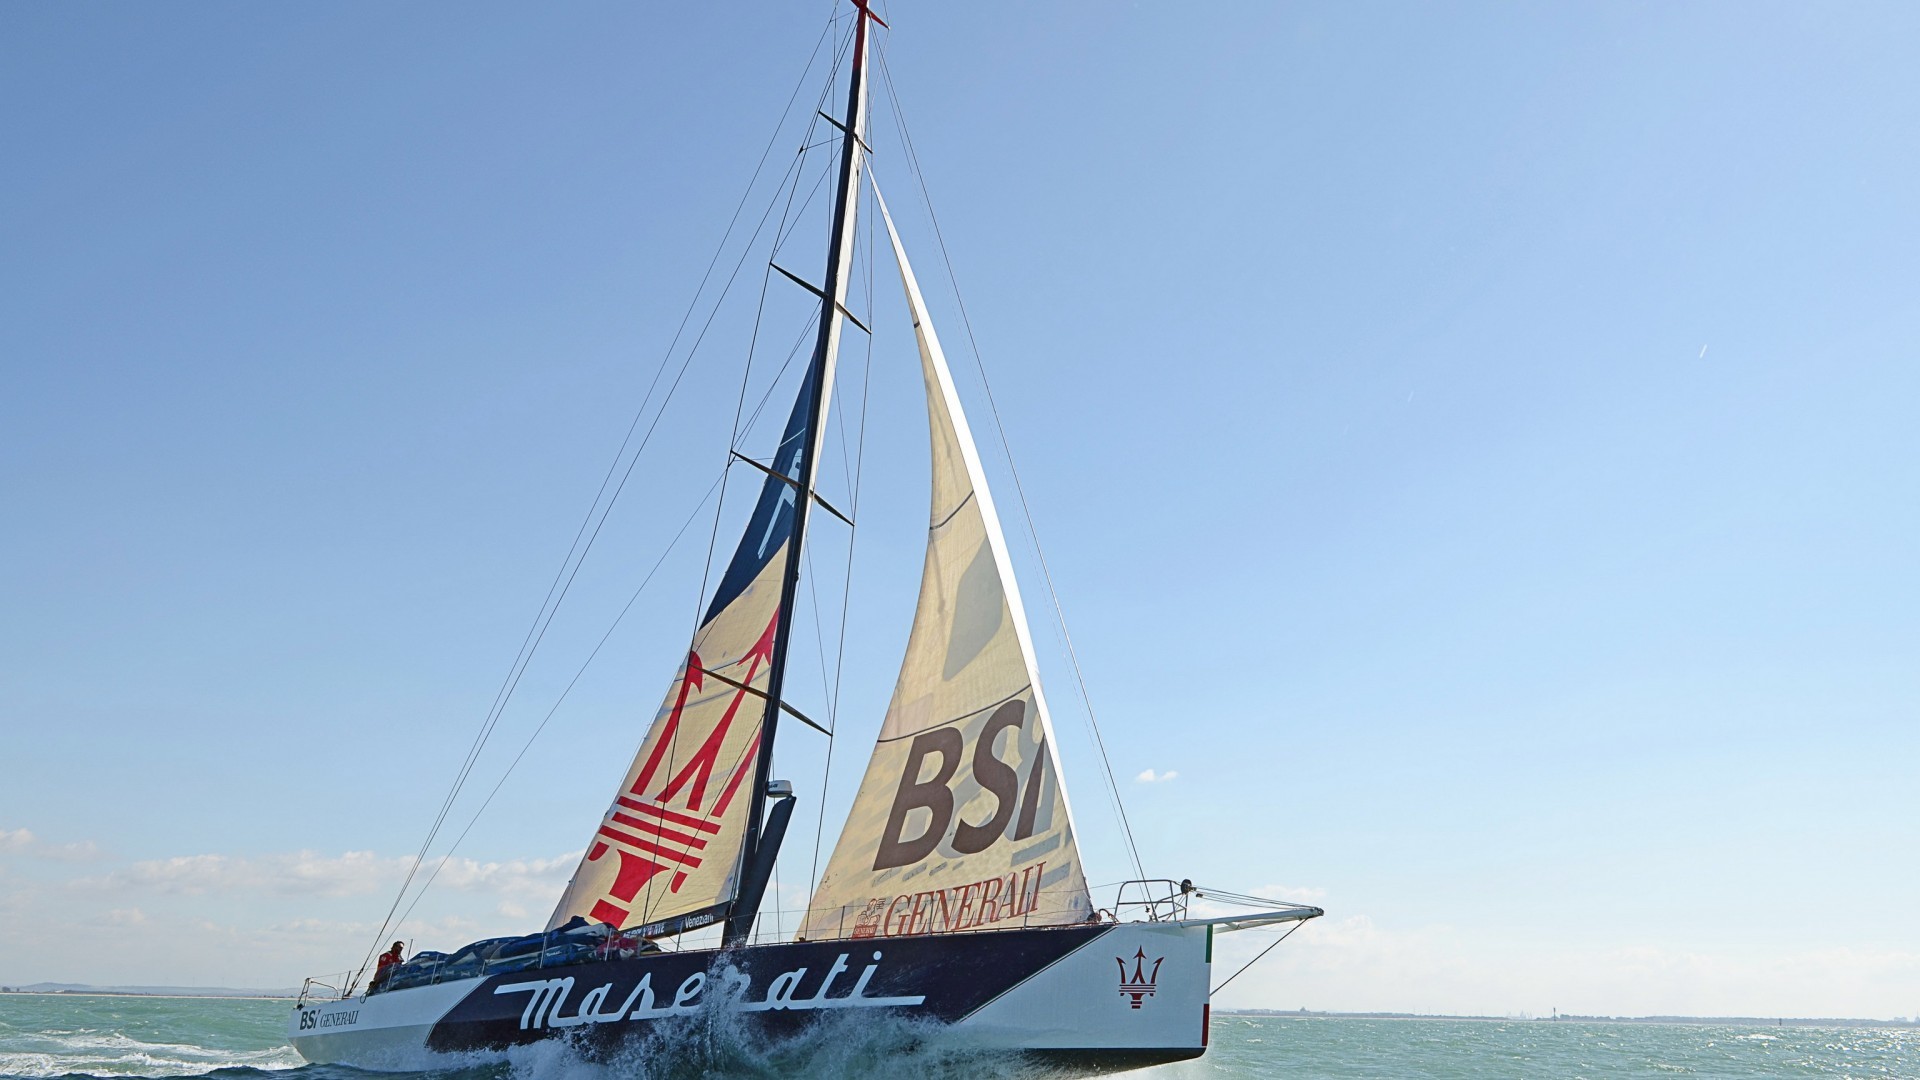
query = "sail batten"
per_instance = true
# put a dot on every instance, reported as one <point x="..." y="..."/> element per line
<point x="961" y="821"/>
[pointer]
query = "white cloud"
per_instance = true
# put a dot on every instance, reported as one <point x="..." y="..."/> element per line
<point x="267" y="920"/>
<point x="24" y="842"/>
<point x="352" y="873"/>
<point x="78" y="851"/>
<point x="261" y="920"/>
<point x="302" y="873"/>
<point x="1148" y="776"/>
<point x="519" y="877"/>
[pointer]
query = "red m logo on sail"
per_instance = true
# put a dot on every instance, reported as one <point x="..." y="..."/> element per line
<point x="669" y="829"/>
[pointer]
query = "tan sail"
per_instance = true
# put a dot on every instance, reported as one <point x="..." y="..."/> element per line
<point x="667" y="854"/>
<point x="961" y="822"/>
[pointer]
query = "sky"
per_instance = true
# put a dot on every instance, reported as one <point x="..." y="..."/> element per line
<point x="1473" y="446"/>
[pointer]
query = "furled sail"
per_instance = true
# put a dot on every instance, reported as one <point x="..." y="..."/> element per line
<point x="667" y="855"/>
<point x="961" y="821"/>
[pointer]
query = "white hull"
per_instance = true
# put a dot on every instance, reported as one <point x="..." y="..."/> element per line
<point x="1093" y="998"/>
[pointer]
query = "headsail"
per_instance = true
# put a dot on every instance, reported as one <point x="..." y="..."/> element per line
<point x="667" y="854"/>
<point x="961" y="821"/>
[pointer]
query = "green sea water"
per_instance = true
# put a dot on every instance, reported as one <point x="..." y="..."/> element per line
<point x="226" y="1039"/>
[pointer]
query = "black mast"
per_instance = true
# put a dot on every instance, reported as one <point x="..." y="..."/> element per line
<point x="763" y="837"/>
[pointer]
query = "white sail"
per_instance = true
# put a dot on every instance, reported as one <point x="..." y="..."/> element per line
<point x="667" y="853"/>
<point x="961" y="821"/>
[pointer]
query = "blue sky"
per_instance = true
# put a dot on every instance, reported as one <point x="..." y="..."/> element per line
<point x="1473" y="444"/>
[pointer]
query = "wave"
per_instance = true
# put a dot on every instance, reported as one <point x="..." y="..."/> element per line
<point x="712" y="1044"/>
<point x="92" y="1052"/>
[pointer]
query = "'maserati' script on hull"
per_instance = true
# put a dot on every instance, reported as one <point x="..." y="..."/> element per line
<point x="546" y="1004"/>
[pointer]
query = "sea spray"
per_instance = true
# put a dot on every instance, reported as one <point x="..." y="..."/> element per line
<point x="74" y="1034"/>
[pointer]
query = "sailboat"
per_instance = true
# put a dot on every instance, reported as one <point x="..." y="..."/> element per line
<point x="955" y="897"/>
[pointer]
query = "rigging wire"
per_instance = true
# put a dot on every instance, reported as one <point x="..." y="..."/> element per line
<point x="846" y="593"/>
<point x="781" y="230"/>
<point x="1245" y="899"/>
<point x="846" y="472"/>
<point x="913" y="163"/>
<point x="1263" y="952"/>
<point x="819" y="632"/>
<point x="605" y="512"/>
<point x="550" y="604"/>
<point x="813" y="193"/>
<point x="542" y="726"/>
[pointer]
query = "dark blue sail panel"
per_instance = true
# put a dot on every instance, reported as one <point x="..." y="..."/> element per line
<point x="772" y="522"/>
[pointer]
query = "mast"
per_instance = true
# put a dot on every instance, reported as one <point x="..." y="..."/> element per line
<point x="762" y="841"/>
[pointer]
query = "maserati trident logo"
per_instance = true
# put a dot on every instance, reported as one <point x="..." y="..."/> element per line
<point x="1139" y="985"/>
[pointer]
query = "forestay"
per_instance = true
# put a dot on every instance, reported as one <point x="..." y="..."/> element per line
<point x="961" y="822"/>
<point x="667" y="855"/>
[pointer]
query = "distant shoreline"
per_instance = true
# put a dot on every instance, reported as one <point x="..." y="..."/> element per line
<point x="262" y="995"/>
<point x="1727" y="1021"/>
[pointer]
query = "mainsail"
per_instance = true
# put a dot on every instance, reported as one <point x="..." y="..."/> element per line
<point x="961" y="821"/>
<point x="683" y="845"/>
<point x="667" y="855"/>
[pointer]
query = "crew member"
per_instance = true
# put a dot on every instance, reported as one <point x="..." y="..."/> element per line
<point x="388" y="961"/>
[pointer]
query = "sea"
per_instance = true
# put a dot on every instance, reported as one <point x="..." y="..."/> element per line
<point x="77" y="1036"/>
